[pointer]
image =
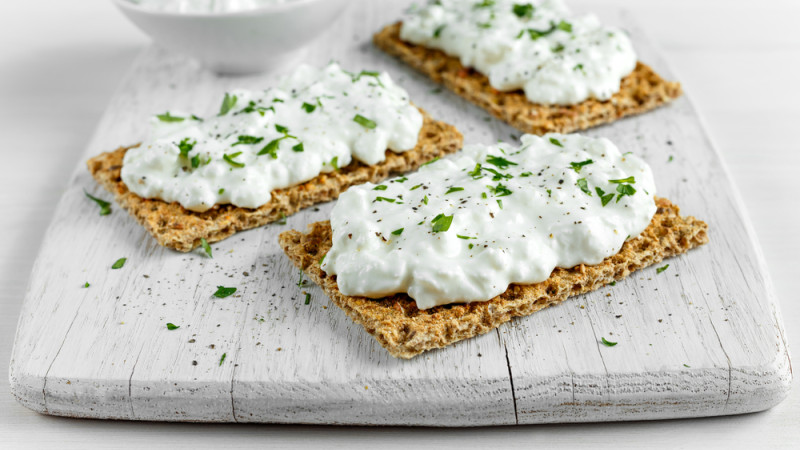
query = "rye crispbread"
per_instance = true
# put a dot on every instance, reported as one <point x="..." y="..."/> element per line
<point x="176" y="227"/>
<point x="406" y="331"/>
<point x="640" y="91"/>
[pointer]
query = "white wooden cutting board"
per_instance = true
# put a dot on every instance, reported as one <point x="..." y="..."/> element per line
<point x="702" y="338"/>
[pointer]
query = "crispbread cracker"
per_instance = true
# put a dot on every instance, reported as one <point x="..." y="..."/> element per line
<point x="640" y="91"/>
<point x="176" y="227"/>
<point x="406" y="331"/>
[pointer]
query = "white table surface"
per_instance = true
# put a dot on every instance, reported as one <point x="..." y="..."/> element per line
<point x="739" y="64"/>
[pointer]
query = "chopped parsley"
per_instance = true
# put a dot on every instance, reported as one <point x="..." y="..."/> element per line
<point x="105" y="207"/>
<point x="230" y="159"/>
<point x="430" y="162"/>
<point x="416" y="187"/>
<point x="172" y="326"/>
<point x="86" y="285"/>
<point x="119" y="263"/>
<point x="385" y="199"/>
<point x="584" y="185"/>
<point x="577" y="166"/>
<point x="380" y="187"/>
<point x="500" y="190"/>
<point x="607" y="343"/>
<point x="465" y="237"/>
<point x="206" y="247"/>
<point x="623" y="190"/>
<point x="246" y="140"/>
<point x="425" y="199"/>
<point x="604" y="198"/>
<point x="556" y="142"/>
<point x="661" y="269"/>
<point x="167" y="117"/>
<point x="630" y="179"/>
<point x="523" y="11"/>
<point x="227" y="104"/>
<point x="282" y="220"/>
<point x="454" y="189"/>
<point x="335" y="163"/>
<point x="364" y="122"/>
<point x="500" y="162"/>
<point x="298" y="148"/>
<point x="438" y="31"/>
<point x="484" y="4"/>
<point x="281" y="129"/>
<point x="308" y="298"/>
<point x="536" y="34"/>
<point x="441" y="223"/>
<point x="398" y="231"/>
<point x="223" y="291"/>
<point x="222" y="359"/>
<point x="308" y="107"/>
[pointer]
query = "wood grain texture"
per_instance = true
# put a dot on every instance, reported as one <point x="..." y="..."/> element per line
<point x="104" y="351"/>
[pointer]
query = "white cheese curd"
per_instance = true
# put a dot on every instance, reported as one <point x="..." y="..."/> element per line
<point x="315" y="121"/>
<point x="205" y="6"/>
<point x="537" y="46"/>
<point x="463" y="229"/>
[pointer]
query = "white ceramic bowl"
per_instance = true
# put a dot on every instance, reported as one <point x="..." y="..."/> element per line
<point x="239" y="42"/>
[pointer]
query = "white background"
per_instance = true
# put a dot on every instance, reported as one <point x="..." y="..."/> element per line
<point x="739" y="61"/>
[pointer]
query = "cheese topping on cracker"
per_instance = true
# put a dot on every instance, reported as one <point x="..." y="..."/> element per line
<point x="315" y="121"/>
<point x="540" y="47"/>
<point x="463" y="229"/>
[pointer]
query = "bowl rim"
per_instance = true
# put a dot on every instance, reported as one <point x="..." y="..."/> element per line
<point x="278" y="7"/>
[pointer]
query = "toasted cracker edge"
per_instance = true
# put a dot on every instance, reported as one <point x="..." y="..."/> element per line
<point x="178" y="228"/>
<point x="640" y="91"/>
<point x="406" y="331"/>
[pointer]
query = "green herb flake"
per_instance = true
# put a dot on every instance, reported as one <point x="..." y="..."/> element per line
<point x="687" y="366"/>
<point x="271" y="148"/>
<point x="465" y="237"/>
<point x="300" y="281"/>
<point x="281" y="129"/>
<point x="564" y="26"/>
<point x="604" y="198"/>
<point x="206" y="247"/>
<point x="441" y="223"/>
<point x="661" y="269"/>
<point x="223" y="291"/>
<point x="169" y="118"/>
<point x="430" y="162"/>
<point x="416" y="187"/>
<point x="385" y="199"/>
<point x="500" y="203"/>
<point x="309" y="108"/>
<point x="184" y="147"/>
<point x="380" y="187"/>
<point x="607" y="343"/>
<point x="613" y="283"/>
<point x="577" y="166"/>
<point x="172" y="326"/>
<point x="556" y="142"/>
<point x="230" y="159"/>
<point x="119" y="263"/>
<point x="398" y="231"/>
<point x="222" y="359"/>
<point x="623" y="190"/>
<point x="86" y="285"/>
<point x="454" y="189"/>
<point x="523" y="11"/>
<point x="364" y="122"/>
<point x="335" y="163"/>
<point x="282" y="220"/>
<point x="630" y="179"/>
<point x="247" y="140"/>
<point x="221" y="191"/>
<point x="670" y="159"/>
<point x="425" y="199"/>
<point x="227" y="104"/>
<point x="105" y="207"/>
<point x="438" y="31"/>
<point x="584" y="185"/>
<point x="298" y="148"/>
<point x="308" y="298"/>
<point x="500" y="162"/>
